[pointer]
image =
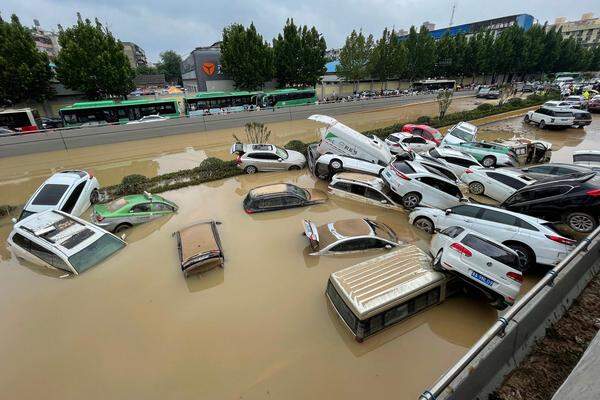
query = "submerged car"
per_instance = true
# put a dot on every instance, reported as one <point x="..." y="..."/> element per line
<point x="127" y="211"/>
<point x="280" y="196"/>
<point x="254" y="158"/>
<point x="528" y="151"/>
<point x="58" y="240"/>
<point x="497" y="184"/>
<point x="594" y="104"/>
<point x="69" y="191"/>
<point x="199" y="247"/>
<point x="425" y="131"/>
<point x="349" y="235"/>
<point x="545" y="171"/>
<point x="326" y="165"/>
<point x="364" y="188"/>
<point x="547" y="116"/>
<point x="587" y="158"/>
<point x="488" y="266"/>
<point x="488" y="154"/>
<point x="582" y="118"/>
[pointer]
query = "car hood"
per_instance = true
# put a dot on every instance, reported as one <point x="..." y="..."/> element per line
<point x="295" y="156"/>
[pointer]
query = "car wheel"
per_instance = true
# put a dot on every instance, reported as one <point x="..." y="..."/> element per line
<point x="526" y="255"/>
<point x="542" y="124"/>
<point x="121" y="227"/>
<point x="581" y="222"/>
<point x="424" y="224"/>
<point x="527" y="119"/>
<point x="488" y="161"/>
<point x="294" y="168"/>
<point x="336" y="165"/>
<point x="437" y="262"/>
<point x="250" y="169"/>
<point x="476" y="188"/>
<point x="411" y="200"/>
<point x="94" y="196"/>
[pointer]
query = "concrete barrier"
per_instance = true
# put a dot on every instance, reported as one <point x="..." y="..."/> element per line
<point x="503" y="353"/>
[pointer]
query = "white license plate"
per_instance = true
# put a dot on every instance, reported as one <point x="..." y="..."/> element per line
<point x="482" y="278"/>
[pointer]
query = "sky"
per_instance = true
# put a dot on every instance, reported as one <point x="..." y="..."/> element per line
<point x="182" y="25"/>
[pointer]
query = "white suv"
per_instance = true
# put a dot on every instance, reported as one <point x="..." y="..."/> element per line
<point x="484" y="264"/>
<point x="58" y="240"/>
<point x="68" y="191"/>
<point x="534" y="239"/>
<point x="364" y="188"/>
<point x="418" y="186"/>
<point x="546" y="116"/>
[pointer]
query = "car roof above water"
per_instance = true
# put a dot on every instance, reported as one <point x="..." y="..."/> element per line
<point x="380" y="283"/>
<point x="268" y="190"/>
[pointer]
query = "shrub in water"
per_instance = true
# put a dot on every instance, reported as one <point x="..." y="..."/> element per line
<point x="132" y="184"/>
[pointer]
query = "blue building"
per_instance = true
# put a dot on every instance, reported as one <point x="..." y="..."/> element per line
<point x="495" y="25"/>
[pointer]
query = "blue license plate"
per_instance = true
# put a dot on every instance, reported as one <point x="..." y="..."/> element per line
<point x="482" y="278"/>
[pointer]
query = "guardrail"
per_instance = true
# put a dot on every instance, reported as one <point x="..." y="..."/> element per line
<point x="497" y="330"/>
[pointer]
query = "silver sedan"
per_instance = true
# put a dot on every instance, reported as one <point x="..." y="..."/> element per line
<point x="254" y="158"/>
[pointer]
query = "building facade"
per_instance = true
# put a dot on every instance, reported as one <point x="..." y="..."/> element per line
<point x="201" y="71"/>
<point x="45" y="41"/>
<point x="135" y="54"/>
<point x="495" y="25"/>
<point x="586" y="30"/>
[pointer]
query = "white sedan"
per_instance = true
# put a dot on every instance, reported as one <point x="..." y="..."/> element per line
<point x="413" y="142"/>
<point x="534" y="239"/>
<point x="148" y="119"/>
<point x="68" y="191"/>
<point x="498" y="184"/>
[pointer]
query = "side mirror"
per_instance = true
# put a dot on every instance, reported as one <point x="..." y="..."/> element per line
<point x="280" y="159"/>
<point x="13" y="220"/>
<point x="448" y="211"/>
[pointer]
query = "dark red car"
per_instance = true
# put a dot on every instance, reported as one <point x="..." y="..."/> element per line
<point x="425" y="131"/>
<point x="594" y="104"/>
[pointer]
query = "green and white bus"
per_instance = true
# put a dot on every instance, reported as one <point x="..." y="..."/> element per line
<point x="116" y="112"/>
<point x="287" y="98"/>
<point x="219" y="102"/>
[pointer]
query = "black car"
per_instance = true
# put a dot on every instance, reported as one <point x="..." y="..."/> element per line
<point x="545" y="171"/>
<point x="582" y="118"/>
<point x="280" y="196"/>
<point x="572" y="199"/>
<point x="51" y="123"/>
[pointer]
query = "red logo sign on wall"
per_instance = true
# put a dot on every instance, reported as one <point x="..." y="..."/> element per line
<point x="208" y="68"/>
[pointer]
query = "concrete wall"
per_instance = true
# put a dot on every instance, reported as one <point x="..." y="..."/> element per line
<point x="489" y="368"/>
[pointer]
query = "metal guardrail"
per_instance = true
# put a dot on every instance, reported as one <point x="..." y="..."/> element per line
<point x="500" y="325"/>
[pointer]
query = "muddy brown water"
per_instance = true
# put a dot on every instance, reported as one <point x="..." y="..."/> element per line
<point x="133" y="327"/>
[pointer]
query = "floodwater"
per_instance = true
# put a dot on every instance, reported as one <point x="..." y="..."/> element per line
<point x="21" y="175"/>
<point x="134" y="327"/>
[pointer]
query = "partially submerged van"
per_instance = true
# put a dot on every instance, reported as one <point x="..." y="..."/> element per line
<point x="338" y="138"/>
<point x="380" y="292"/>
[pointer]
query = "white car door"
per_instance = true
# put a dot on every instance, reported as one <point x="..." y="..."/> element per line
<point x="463" y="215"/>
<point x="437" y="193"/>
<point x="419" y="144"/>
<point x="498" y="225"/>
<point x="503" y="186"/>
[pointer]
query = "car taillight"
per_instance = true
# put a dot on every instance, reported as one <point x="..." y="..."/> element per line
<point x="238" y="160"/>
<point x="99" y="217"/>
<point x="561" y="240"/>
<point x="593" y="193"/>
<point x="461" y="249"/>
<point x="249" y="211"/>
<point x="468" y="171"/>
<point x="515" y="276"/>
<point x="91" y="174"/>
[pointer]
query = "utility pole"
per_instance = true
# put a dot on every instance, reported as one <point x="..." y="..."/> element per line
<point x="452" y="14"/>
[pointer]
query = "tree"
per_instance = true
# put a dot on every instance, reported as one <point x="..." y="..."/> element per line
<point x="170" y="65"/>
<point x="246" y="57"/>
<point x="314" y="49"/>
<point x="399" y="57"/>
<point x="92" y="61"/>
<point x="445" y="55"/>
<point x="354" y="57"/>
<point x="287" y="55"/>
<point x="444" y="99"/>
<point x="145" y="70"/>
<point x="421" y="53"/>
<point x="382" y="61"/>
<point x="256" y="132"/>
<point x="25" y="72"/>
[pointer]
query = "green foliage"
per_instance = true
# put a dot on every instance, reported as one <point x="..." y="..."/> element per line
<point x="423" y="119"/>
<point x="24" y="71"/>
<point x="421" y="53"/>
<point x="145" y="70"/>
<point x="444" y="99"/>
<point x="170" y="65"/>
<point x="246" y="57"/>
<point x="382" y="63"/>
<point x="485" y="107"/>
<point x="355" y="56"/>
<point x="132" y="184"/>
<point x="297" y="145"/>
<point x="92" y="60"/>
<point x="299" y="55"/>
<point x="6" y="210"/>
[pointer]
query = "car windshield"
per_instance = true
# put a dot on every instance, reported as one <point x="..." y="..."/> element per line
<point x="281" y="153"/>
<point x="102" y="248"/>
<point x="298" y="191"/>
<point x="562" y="114"/>
<point x="464" y="135"/>
<point x="50" y="195"/>
<point x="116" y="204"/>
